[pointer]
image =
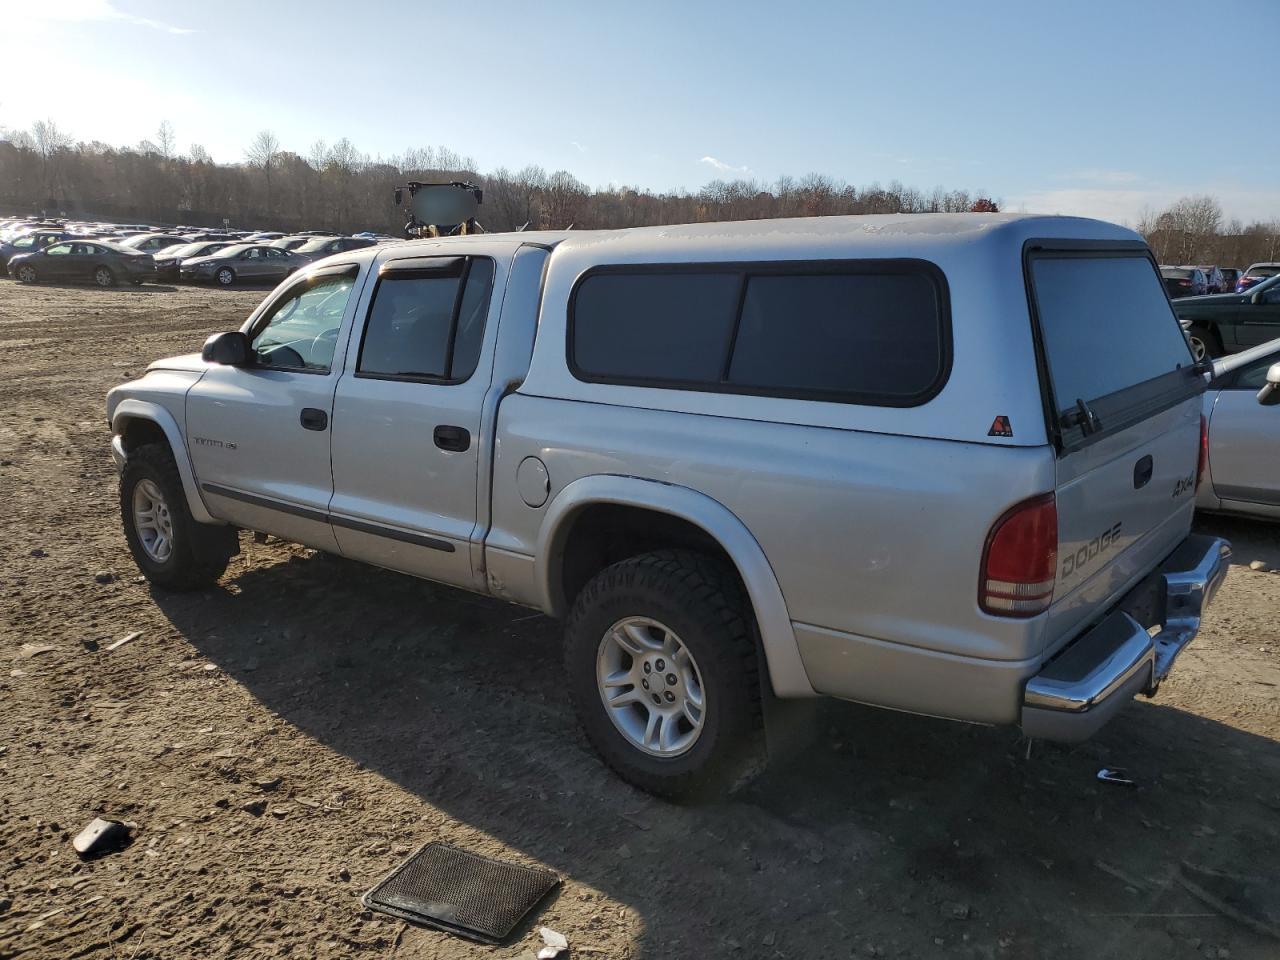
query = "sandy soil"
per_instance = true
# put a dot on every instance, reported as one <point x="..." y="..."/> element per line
<point x="286" y="738"/>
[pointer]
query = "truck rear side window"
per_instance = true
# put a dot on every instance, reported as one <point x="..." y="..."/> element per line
<point x="1106" y="325"/>
<point x="873" y="332"/>
<point x="427" y="324"/>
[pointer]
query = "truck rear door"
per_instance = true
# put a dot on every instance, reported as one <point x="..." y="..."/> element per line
<point x="407" y="411"/>
<point x="1122" y="398"/>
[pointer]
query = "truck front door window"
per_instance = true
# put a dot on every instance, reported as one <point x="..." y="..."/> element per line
<point x="301" y="330"/>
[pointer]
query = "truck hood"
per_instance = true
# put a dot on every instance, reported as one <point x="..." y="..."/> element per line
<point x="188" y="362"/>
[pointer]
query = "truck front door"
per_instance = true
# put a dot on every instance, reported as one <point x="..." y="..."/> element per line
<point x="407" y="413"/>
<point x="259" y="434"/>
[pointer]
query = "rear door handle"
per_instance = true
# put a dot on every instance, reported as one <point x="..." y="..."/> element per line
<point x="1142" y="471"/>
<point x="313" y="419"/>
<point x="456" y="439"/>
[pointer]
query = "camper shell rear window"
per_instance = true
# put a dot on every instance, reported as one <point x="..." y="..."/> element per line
<point x="1110" y="347"/>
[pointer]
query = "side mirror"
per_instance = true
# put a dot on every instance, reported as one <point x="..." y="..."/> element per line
<point x="1269" y="395"/>
<point x="230" y="349"/>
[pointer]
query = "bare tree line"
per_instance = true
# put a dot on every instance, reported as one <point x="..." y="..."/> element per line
<point x="336" y="186"/>
<point x="1194" y="231"/>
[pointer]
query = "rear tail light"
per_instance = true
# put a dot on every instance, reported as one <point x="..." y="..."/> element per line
<point x="1184" y="283"/>
<point x="1020" y="560"/>
<point x="1204" y="450"/>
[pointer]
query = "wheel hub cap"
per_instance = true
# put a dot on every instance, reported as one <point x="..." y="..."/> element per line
<point x="650" y="686"/>
<point x="152" y="521"/>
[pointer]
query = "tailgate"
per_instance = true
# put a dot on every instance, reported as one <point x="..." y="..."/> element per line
<point x="1123" y="399"/>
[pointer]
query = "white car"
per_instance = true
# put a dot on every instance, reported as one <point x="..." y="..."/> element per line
<point x="1243" y="474"/>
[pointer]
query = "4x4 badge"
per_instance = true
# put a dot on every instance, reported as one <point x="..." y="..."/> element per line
<point x="1000" y="428"/>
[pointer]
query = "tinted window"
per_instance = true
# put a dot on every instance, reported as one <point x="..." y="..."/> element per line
<point x="1106" y="325"/>
<point x="867" y="333"/>
<point x="654" y="326"/>
<point x="300" y="330"/>
<point x="875" y="334"/>
<point x="427" y="324"/>
<point x="471" y="317"/>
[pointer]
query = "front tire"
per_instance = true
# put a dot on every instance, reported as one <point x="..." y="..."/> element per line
<point x="663" y="672"/>
<point x="170" y="547"/>
<point x="26" y="274"/>
<point x="225" y="277"/>
<point x="104" y="277"/>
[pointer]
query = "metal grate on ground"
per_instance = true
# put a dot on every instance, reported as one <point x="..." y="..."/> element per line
<point x="460" y="892"/>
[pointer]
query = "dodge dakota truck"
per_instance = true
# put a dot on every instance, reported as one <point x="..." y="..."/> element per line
<point x="943" y="464"/>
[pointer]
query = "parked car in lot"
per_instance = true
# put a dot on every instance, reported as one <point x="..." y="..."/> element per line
<point x="808" y="456"/>
<point x="85" y="261"/>
<point x="1230" y="322"/>
<point x="1242" y="406"/>
<point x="29" y="242"/>
<point x="1230" y="277"/>
<point x="320" y="247"/>
<point x="1256" y="274"/>
<point x="241" y="263"/>
<point x="1184" y="281"/>
<point x="169" y="260"/>
<point x="153" y="242"/>
<point x="1214" y="282"/>
<point x="293" y="241"/>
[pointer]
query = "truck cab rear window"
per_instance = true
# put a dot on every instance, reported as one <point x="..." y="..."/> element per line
<point x="874" y="332"/>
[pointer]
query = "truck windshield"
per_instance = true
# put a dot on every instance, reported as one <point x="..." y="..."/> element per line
<point x="1106" y="325"/>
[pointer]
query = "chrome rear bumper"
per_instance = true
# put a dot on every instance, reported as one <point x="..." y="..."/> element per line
<point x="1086" y="683"/>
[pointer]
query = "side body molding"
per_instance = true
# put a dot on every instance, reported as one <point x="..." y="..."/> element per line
<point x="782" y="656"/>
<point x="131" y="409"/>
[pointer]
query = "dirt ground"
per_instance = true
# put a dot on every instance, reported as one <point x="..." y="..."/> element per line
<point x="284" y="739"/>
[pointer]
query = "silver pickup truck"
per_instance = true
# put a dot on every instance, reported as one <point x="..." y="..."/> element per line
<point x="943" y="464"/>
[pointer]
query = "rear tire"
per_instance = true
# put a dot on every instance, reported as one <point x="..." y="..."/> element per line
<point x="694" y="604"/>
<point x="170" y="547"/>
<point x="1204" y="343"/>
<point x="225" y="277"/>
<point x="104" y="277"/>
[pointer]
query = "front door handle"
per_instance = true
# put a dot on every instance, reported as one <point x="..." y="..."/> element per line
<point x="456" y="439"/>
<point x="313" y="419"/>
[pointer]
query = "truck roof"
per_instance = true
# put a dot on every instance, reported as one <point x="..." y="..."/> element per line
<point x="900" y="230"/>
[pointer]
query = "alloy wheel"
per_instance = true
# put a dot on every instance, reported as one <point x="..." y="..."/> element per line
<point x="650" y="686"/>
<point x="1198" y="348"/>
<point x="152" y="521"/>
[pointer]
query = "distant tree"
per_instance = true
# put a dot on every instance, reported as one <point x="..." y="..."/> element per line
<point x="166" y="142"/>
<point x="264" y="153"/>
<point x="984" y="205"/>
<point x="199" y="154"/>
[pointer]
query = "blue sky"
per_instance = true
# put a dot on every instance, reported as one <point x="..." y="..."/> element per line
<point x="1095" y="108"/>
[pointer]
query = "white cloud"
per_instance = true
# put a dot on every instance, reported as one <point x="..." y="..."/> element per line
<point x="721" y="167"/>
<point x="97" y="11"/>
<point x="577" y="146"/>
